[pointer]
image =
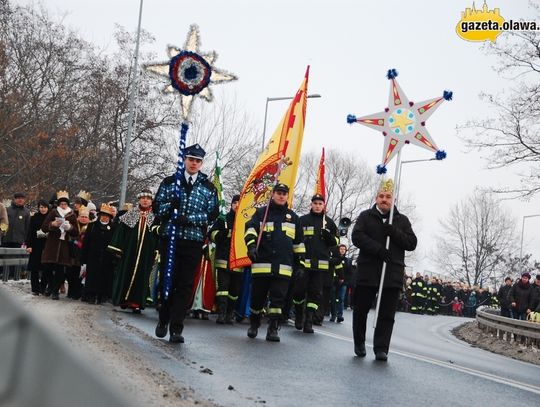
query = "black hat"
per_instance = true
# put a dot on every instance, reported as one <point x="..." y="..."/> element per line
<point x="526" y="274"/>
<point x="235" y="198"/>
<point x="538" y="276"/>
<point x="19" y="195"/>
<point x="281" y="187"/>
<point x="195" y="151"/>
<point x="317" y="197"/>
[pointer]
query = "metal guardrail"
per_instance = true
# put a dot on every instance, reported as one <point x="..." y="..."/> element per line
<point x="511" y="330"/>
<point x="13" y="262"/>
<point x="37" y="369"/>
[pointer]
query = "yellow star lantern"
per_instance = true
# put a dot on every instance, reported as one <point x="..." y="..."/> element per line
<point x="403" y="122"/>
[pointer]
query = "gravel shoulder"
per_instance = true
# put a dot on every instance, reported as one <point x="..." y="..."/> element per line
<point x="119" y="352"/>
<point x="472" y="334"/>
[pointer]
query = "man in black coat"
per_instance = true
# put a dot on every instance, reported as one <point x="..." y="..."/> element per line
<point x="504" y="298"/>
<point x="370" y="235"/>
<point x="534" y="304"/>
<point x="520" y="296"/>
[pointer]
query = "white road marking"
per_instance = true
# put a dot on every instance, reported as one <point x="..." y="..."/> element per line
<point x="488" y="376"/>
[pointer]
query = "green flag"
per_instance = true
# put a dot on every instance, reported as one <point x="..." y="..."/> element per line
<point x="219" y="187"/>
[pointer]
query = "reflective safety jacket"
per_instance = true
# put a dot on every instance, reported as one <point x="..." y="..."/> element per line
<point x="317" y="248"/>
<point x="281" y="247"/>
<point x="419" y="288"/>
<point x="223" y="244"/>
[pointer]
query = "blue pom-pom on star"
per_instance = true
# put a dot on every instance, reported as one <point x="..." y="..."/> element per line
<point x="351" y="118"/>
<point x="440" y="155"/>
<point x="392" y="74"/>
<point x="381" y="169"/>
<point x="447" y="95"/>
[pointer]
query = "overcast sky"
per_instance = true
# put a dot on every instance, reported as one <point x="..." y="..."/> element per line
<point x="349" y="45"/>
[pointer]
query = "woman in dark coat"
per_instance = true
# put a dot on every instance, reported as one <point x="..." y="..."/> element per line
<point x="35" y="242"/>
<point x="61" y="225"/>
<point x="95" y="258"/>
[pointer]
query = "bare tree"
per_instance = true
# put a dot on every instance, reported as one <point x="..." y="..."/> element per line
<point x="476" y="240"/>
<point x="512" y="137"/>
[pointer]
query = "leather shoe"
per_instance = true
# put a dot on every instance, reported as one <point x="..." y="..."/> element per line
<point x="380" y="355"/>
<point x="161" y="330"/>
<point x="176" y="338"/>
<point x="360" y="350"/>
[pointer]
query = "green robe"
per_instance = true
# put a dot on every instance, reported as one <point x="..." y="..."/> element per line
<point x="136" y="245"/>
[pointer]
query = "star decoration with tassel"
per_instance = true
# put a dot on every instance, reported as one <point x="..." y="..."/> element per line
<point x="403" y="122"/>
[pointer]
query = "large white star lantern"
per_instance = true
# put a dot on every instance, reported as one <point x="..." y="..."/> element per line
<point x="190" y="71"/>
<point x="403" y="122"/>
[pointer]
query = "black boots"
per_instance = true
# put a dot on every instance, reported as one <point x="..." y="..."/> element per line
<point x="308" y="323"/>
<point x="381" y="356"/>
<point x="229" y="316"/>
<point x="360" y="349"/>
<point x="255" y="323"/>
<point x="221" y="309"/>
<point x="161" y="329"/>
<point x="272" y="332"/>
<point x="298" y="316"/>
<point x="176" y="334"/>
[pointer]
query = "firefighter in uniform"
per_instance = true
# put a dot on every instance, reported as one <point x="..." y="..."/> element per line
<point x="281" y="249"/>
<point x="433" y="297"/>
<point x="229" y="281"/>
<point x="320" y="234"/>
<point x="418" y="295"/>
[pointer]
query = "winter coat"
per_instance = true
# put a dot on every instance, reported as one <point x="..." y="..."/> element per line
<point x="317" y="248"/>
<point x="534" y="302"/>
<point x="198" y="203"/>
<point x="19" y="223"/>
<point x="98" y="260"/>
<point x="521" y="295"/>
<point x="348" y="270"/>
<point x="504" y="296"/>
<point x="220" y="233"/>
<point x="57" y="251"/>
<point x="36" y="241"/>
<point x="281" y="247"/>
<point x="368" y="235"/>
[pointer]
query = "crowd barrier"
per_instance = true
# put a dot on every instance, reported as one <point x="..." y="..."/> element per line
<point x="13" y="263"/>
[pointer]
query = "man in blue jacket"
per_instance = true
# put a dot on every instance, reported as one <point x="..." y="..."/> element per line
<point x="197" y="205"/>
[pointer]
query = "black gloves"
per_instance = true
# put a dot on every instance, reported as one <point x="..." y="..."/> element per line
<point x="388" y="229"/>
<point x="182" y="220"/>
<point x="175" y="204"/>
<point x="384" y="254"/>
<point x="252" y="253"/>
<point x="327" y="237"/>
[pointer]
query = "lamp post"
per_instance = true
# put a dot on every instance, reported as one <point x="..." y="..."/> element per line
<point x="131" y="110"/>
<point x="315" y="95"/>
<point x="521" y="247"/>
<point x="396" y="194"/>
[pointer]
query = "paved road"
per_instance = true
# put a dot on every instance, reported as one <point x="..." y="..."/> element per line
<point x="427" y="366"/>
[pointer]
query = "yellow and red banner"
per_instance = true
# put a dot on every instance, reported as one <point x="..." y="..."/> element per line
<point x="320" y="185"/>
<point x="279" y="160"/>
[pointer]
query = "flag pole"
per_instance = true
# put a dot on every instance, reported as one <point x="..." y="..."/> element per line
<point x="390" y="220"/>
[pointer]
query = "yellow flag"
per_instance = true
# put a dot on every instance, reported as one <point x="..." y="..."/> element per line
<point x="279" y="160"/>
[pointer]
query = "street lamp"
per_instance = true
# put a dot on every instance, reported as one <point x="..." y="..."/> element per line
<point x="521" y="249"/>
<point x="315" y="95"/>
<point x="131" y="110"/>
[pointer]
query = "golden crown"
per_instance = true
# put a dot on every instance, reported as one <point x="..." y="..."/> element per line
<point x="84" y="195"/>
<point x="83" y="211"/>
<point x="62" y="194"/>
<point x="107" y="209"/>
<point x="387" y="185"/>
